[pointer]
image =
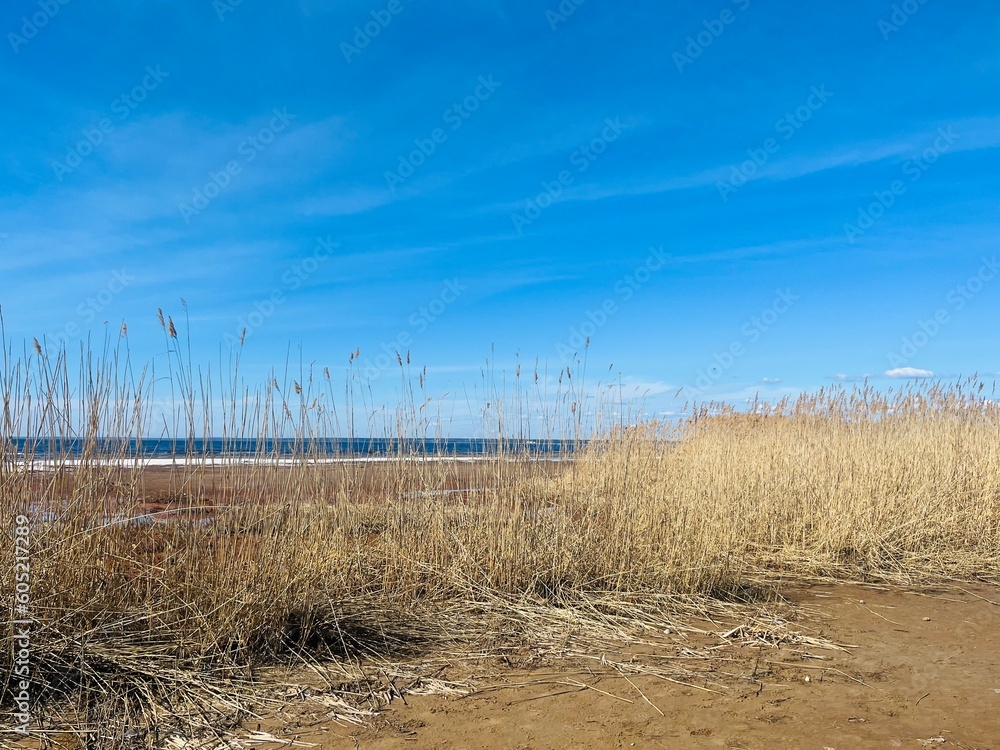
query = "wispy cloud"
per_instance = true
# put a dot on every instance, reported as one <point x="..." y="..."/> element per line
<point x="908" y="373"/>
<point x="345" y="202"/>
<point x="898" y="373"/>
<point x="973" y="134"/>
<point x="641" y="387"/>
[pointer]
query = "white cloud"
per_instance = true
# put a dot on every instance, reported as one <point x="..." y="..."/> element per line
<point x="908" y="372"/>
<point x="647" y="388"/>
<point x="770" y="380"/>
<point x="976" y="133"/>
<point x="344" y="203"/>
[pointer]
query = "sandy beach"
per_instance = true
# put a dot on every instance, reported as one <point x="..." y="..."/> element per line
<point x="922" y="670"/>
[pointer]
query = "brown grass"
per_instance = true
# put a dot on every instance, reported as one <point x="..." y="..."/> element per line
<point x="149" y="631"/>
<point x="843" y="482"/>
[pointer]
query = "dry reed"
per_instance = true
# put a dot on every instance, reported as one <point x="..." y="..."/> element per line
<point x="146" y="632"/>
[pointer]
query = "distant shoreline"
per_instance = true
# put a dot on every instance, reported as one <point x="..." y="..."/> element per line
<point x="238" y="460"/>
<point x="294" y="450"/>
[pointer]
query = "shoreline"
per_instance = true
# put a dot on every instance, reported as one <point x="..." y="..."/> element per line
<point x="48" y="464"/>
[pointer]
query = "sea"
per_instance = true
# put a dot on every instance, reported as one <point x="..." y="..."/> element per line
<point x="156" y="450"/>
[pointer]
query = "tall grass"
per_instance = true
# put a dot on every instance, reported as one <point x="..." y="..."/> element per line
<point x="143" y="629"/>
<point x="847" y="482"/>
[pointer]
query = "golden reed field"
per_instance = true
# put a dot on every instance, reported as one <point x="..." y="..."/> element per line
<point x="191" y="605"/>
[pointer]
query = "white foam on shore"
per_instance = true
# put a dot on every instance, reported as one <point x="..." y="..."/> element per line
<point x="214" y="461"/>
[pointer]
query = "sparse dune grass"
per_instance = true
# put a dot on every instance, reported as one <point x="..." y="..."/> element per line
<point x="151" y="630"/>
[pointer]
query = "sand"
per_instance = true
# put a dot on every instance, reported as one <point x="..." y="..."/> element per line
<point x="925" y="673"/>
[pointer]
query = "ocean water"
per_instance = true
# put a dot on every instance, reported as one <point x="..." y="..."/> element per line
<point x="324" y="448"/>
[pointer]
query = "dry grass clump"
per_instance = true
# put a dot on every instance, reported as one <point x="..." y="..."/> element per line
<point x="843" y="482"/>
<point x="151" y="626"/>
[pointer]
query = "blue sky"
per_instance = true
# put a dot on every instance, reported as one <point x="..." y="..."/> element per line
<point x="736" y="197"/>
